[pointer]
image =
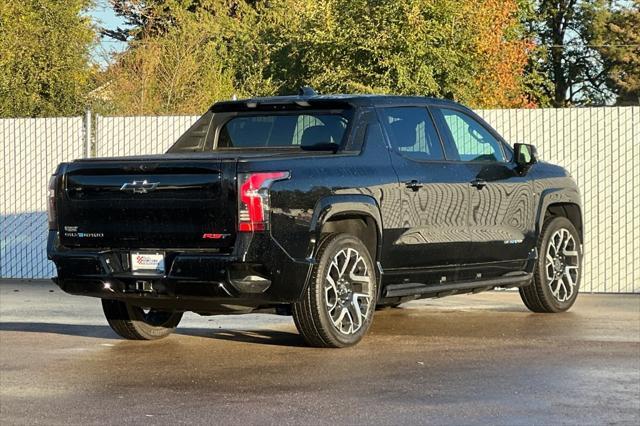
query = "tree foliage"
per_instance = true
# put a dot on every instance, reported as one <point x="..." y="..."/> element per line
<point x="573" y="69"/>
<point x="45" y="64"/>
<point x="615" y="34"/>
<point x="587" y="51"/>
<point x="184" y="54"/>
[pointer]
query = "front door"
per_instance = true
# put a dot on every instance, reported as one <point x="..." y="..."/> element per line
<point x="501" y="213"/>
<point x="429" y="244"/>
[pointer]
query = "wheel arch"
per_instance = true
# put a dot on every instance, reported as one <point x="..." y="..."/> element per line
<point x="561" y="202"/>
<point x="358" y="215"/>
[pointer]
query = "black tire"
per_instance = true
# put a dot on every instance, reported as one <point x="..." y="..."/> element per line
<point x="539" y="296"/>
<point x="131" y="322"/>
<point x="311" y="315"/>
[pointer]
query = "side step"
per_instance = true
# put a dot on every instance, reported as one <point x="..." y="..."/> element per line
<point x="415" y="289"/>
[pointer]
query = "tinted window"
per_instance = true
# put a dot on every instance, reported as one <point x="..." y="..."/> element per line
<point x="374" y="135"/>
<point x="413" y="133"/>
<point x="282" y="130"/>
<point x="195" y="137"/>
<point x="468" y="140"/>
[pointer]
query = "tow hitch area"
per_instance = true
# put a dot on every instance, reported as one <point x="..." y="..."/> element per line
<point x="144" y="286"/>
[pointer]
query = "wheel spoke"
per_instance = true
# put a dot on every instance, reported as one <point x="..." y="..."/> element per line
<point x="564" y="287"/>
<point x="557" y="290"/>
<point x="348" y="317"/>
<point x="569" y="278"/>
<point x="359" y="278"/>
<point x="354" y="309"/>
<point x="331" y="287"/>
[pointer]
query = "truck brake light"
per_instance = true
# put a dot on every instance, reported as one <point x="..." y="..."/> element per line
<point x="51" y="202"/>
<point x="253" y="199"/>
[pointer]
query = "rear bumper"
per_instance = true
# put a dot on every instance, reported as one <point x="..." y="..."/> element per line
<point x="193" y="280"/>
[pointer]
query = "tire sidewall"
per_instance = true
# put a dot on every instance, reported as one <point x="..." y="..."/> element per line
<point x="554" y="225"/>
<point x="331" y="246"/>
<point x="150" y="331"/>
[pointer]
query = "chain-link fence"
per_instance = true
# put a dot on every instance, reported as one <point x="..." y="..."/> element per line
<point x="599" y="146"/>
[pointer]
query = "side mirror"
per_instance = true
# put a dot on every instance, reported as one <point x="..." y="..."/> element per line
<point x="525" y="156"/>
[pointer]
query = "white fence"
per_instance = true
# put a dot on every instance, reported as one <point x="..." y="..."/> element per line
<point x="599" y="146"/>
<point x="116" y="136"/>
<point x="30" y="151"/>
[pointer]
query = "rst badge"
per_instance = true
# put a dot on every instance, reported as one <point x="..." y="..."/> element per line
<point x="213" y="236"/>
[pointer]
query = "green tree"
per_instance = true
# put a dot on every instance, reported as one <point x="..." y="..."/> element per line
<point x="467" y="50"/>
<point x="615" y="34"/>
<point x="206" y="53"/>
<point x="45" y="67"/>
<point x="472" y="51"/>
<point x="574" y="68"/>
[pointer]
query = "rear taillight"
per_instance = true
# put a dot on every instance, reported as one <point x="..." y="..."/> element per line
<point x="51" y="202"/>
<point x="253" y="199"/>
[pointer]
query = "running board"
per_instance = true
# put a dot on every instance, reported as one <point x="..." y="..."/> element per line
<point x="414" y="289"/>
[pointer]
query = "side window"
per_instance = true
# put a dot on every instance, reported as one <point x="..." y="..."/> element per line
<point x="466" y="139"/>
<point x="413" y="133"/>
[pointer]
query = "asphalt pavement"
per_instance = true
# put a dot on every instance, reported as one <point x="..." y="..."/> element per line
<point x="469" y="359"/>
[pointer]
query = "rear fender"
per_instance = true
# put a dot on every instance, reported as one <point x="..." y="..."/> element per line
<point x="335" y="206"/>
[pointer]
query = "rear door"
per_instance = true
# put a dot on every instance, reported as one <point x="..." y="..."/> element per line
<point x="433" y="234"/>
<point x="501" y="214"/>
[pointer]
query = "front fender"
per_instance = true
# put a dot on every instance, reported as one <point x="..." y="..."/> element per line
<point x="555" y="195"/>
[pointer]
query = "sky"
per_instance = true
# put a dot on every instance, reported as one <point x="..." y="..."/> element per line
<point x="103" y="15"/>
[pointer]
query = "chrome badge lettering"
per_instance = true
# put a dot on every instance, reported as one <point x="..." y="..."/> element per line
<point x="513" y="241"/>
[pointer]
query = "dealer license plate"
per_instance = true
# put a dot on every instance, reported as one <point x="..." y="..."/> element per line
<point x="149" y="262"/>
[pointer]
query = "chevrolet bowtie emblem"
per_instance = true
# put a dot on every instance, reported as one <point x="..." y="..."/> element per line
<point x="139" y="186"/>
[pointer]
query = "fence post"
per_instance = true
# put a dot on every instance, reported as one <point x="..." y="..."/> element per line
<point x="87" y="133"/>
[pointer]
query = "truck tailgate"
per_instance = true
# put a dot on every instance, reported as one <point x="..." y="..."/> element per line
<point x="158" y="203"/>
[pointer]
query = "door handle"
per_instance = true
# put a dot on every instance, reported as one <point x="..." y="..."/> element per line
<point x="414" y="185"/>
<point x="478" y="183"/>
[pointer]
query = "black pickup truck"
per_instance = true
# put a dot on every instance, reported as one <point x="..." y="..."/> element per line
<point x="320" y="207"/>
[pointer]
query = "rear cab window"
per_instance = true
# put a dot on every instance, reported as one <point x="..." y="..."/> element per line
<point x="282" y="130"/>
<point x="293" y="129"/>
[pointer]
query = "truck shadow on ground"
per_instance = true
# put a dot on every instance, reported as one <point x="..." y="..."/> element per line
<point x="264" y="337"/>
<point x="96" y="331"/>
<point x="478" y="324"/>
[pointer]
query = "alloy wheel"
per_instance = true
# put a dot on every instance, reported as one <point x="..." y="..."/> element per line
<point x="348" y="291"/>
<point x="561" y="264"/>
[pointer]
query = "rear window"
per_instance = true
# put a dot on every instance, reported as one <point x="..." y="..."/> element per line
<point x="195" y="138"/>
<point x="282" y="130"/>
